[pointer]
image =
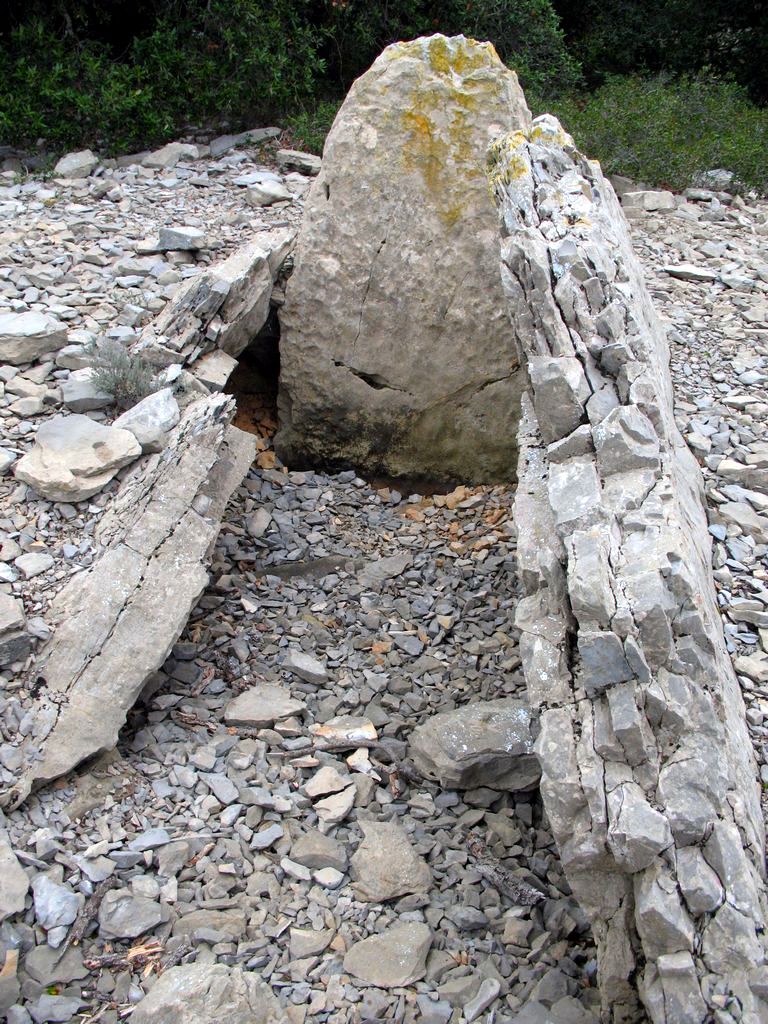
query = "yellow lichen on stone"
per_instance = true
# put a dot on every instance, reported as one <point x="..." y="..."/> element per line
<point x="507" y="160"/>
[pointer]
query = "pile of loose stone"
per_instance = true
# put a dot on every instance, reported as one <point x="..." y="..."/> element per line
<point x="285" y="800"/>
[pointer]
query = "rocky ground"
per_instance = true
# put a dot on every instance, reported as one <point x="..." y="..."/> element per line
<point x="220" y="831"/>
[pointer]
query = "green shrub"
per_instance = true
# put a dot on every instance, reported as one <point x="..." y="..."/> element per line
<point x="665" y="132"/>
<point x="241" y="59"/>
<point x="310" y="125"/>
<point x="128" y="378"/>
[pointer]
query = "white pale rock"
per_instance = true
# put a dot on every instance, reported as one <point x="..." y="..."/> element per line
<point x="265" y="193"/>
<point x="74" y="457"/>
<point x="33" y="563"/>
<point x="76" y="165"/>
<point x="151" y="418"/>
<point x="394" y="958"/>
<point x="25" y="337"/>
<point x="168" y="156"/>
<point x="688" y="272"/>
<point x="396" y="353"/>
<point x="333" y="809"/>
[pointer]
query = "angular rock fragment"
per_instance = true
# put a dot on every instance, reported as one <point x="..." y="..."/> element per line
<point x="396" y="355"/>
<point x="25" y="337"/>
<point x="262" y="706"/>
<point x="117" y="622"/>
<point x="209" y="994"/>
<point x="151" y="418"/>
<point x="13" y="883"/>
<point x="15" y="642"/>
<point x="74" y="457"/>
<point x="392" y="959"/>
<point x="385" y="865"/>
<point x="485" y="744"/>
<point x="76" y="165"/>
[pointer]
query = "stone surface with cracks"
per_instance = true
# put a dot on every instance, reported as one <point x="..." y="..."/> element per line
<point x="116" y="623"/>
<point x="396" y="351"/>
<point x="647" y="769"/>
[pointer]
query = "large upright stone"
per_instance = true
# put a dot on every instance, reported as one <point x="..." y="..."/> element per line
<point x="396" y="351"/>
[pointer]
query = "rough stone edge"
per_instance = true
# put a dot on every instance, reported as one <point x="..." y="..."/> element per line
<point x="115" y="624"/>
<point x="671" y="736"/>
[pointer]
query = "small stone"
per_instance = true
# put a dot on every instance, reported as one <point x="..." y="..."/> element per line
<point x="124" y="916"/>
<point x="307" y="942"/>
<point x="487" y="993"/>
<point x="327" y="780"/>
<point x="25" y="337"/>
<point x="33" y="563"/>
<point x="76" y="165"/>
<point x="150" y="840"/>
<point x="266" y="837"/>
<point x="489" y="743"/>
<point x="80" y="394"/>
<point x="73" y="457"/>
<point x="180" y="239"/>
<point x="56" y="906"/>
<point x="261" y="706"/>
<point x="305" y="667"/>
<point x="317" y="851"/>
<point x="14" y="883"/>
<point x="385" y="865"/>
<point x="333" y="809"/>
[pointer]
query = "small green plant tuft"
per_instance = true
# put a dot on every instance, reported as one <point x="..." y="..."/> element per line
<point x="128" y="378"/>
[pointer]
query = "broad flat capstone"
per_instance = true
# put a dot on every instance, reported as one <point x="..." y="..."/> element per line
<point x="209" y="994"/>
<point x="74" y="457"/>
<point x="394" y="958"/>
<point x="485" y="744"/>
<point x="396" y="353"/>
<point x="385" y="865"/>
<point x="25" y="337"/>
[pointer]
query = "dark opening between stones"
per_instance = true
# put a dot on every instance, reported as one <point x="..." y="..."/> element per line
<point x="255" y="380"/>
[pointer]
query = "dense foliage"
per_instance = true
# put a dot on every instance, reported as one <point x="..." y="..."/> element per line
<point x="658" y="91"/>
<point x="667" y="131"/>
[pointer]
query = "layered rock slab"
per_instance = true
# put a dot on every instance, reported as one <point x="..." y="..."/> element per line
<point x="647" y="771"/>
<point x="396" y="350"/>
<point x="116" y="623"/>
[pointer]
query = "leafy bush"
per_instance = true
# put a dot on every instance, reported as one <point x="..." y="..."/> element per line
<point x="310" y="125"/>
<point x="665" y="132"/>
<point x="128" y="378"/>
<point x="225" y="58"/>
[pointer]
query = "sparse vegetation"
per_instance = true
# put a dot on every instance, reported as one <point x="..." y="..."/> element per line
<point x="128" y="378"/>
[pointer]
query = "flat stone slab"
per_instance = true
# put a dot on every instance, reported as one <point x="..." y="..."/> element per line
<point x="116" y="623"/>
<point x="392" y="959"/>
